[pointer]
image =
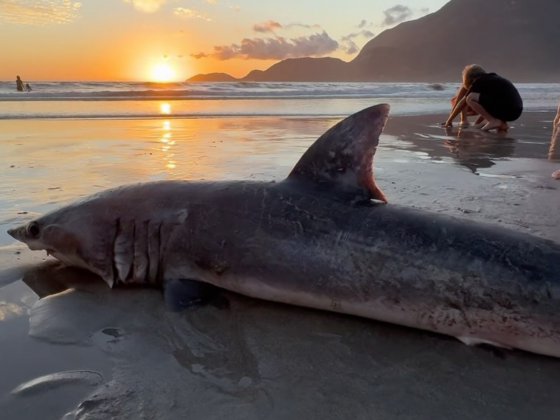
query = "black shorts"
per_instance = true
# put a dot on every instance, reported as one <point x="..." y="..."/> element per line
<point x="500" y="108"/>
<point x="498" y="96"/>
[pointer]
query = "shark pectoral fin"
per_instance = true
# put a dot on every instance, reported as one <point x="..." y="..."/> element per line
<point x="475" y="341"/>
<point x="342" y="158"/>
<point x="185" y="293"/>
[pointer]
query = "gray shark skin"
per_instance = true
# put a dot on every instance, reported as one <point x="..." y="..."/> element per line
<point x="322" y="238"/>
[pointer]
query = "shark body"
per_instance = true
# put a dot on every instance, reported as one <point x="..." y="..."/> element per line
<point x="322" y="238"/>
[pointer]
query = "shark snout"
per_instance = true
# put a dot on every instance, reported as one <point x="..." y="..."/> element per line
<point x="15" y="233"/>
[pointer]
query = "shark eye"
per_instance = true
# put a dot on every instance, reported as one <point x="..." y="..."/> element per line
<point x="33" y="230"/>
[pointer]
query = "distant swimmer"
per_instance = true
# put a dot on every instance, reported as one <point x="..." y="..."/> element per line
<point x="19" y="84"/>
<point x="492" y="97"/>
<point x="28" y="88"/>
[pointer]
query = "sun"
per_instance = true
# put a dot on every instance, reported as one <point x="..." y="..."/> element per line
<point x="162" y="72"/>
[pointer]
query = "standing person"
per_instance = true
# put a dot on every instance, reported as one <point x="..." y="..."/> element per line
<point x="493" y="97"/>
<point x="554" y="140"/>
<point x="19" y="84"/>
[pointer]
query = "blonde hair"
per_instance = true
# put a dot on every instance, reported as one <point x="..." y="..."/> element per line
<point x="470" y="73"/>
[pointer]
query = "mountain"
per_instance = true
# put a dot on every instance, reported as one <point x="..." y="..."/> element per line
<point x="515" y="38"/>
<point x="302" y="70"/>
<point x="213" y="77"/>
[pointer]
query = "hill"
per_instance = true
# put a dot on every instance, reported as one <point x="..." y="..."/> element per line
<point x="516" y="38"/>
<point x="213" y="77"/>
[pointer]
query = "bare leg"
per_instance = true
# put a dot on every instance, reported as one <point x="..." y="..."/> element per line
<point x="464" y="118"/>
<point x="492" y="123"/>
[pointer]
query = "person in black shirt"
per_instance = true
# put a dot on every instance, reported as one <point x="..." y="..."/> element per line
<point x="493" y="97"/>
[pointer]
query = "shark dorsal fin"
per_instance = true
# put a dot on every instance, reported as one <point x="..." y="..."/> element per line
<point x="342" y="158"/>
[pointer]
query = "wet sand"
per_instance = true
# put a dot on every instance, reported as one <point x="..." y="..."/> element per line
<point x="119" y="354"/>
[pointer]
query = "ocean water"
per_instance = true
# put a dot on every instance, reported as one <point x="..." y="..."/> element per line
<point x="180" y="100"/>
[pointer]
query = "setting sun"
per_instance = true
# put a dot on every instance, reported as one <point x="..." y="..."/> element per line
<point x="162" y="72"/>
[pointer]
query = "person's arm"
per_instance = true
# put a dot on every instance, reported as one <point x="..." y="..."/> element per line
<point x="460" y="96"/>
<point x="556" y="124"/>
<point x="456" y="111"/>
<point x="462" y="93"/>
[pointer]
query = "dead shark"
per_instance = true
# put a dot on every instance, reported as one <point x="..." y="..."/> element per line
<point x="321" y="238"/>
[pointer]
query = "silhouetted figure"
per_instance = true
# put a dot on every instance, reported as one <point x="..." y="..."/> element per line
<point x="28" y="88"/>
<point x="19" y="84"/>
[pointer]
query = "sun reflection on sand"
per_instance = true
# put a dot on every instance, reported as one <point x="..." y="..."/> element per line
<point x="9" y="309"/>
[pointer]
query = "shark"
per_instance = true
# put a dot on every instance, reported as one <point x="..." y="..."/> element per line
<point x="324" y="237"/>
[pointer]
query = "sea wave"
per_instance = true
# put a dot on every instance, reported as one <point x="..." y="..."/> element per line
<point x="47" y="91"/>
<point x="183" y="100"/>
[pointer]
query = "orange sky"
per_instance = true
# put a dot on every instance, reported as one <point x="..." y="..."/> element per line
<point x="125" y="39"/>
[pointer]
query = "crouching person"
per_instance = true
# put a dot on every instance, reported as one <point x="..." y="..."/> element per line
<point x="493" y="97"/>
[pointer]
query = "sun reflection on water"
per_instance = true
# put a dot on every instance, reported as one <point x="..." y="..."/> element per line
<point x="167" y="144"/>
<point x="165" y="108"/>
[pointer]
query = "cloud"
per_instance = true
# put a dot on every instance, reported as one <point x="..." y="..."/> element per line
<point x="301" y="25"/>
<point x="147" y="6"/>
<point x="396" y="14"/>
<point x="349" y="46"/>
<point x="271" y="25"/>
<point x="39" y="12"/>
<point x="364" y="23"/>
<point x="265" y="27"/>
<point x="190" y="14"/>
<point x="199" y="55"/>
<point x="365" y="33"/>
<point x="278" y="48"/>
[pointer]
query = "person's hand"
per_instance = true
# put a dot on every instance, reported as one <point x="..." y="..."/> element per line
<point x="556" y="175"/>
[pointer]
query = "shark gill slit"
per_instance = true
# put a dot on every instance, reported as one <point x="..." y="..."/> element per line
<point x="131" y="272"/>
<point x="114" y="271"/>
<point x="114" y="251"/>
<point x="153" y="252"/>
<point x="158" y="278"/>
<point x="141" y="260"/>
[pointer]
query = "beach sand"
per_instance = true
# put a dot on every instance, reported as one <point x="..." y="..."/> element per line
<point x="119" y="354"/>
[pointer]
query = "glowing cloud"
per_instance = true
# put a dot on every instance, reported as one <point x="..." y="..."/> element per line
<point x="278" y="48"/>
<point x="39" y="12"/>
<point x="265" y="27"/>
<point x="147" y="6"/>
<point x="190" y="14"/>
<point x="271" y="26"/>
